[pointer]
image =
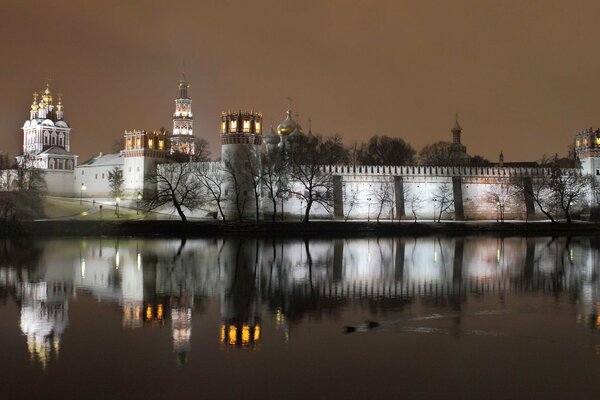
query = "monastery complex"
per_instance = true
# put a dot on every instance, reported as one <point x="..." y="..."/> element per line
<point x="47" y="146"/>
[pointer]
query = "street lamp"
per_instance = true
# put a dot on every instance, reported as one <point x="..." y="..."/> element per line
<point x="497" y="211"/>
<point x="137" y="205"/>
<point x="81" y="193"/>
<point x="301" y="203"/>
<point x="368" y="209"/>
<point x="117" y="207"/>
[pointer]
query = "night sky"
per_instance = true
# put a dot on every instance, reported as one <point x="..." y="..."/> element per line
<point x="522" y="75"/>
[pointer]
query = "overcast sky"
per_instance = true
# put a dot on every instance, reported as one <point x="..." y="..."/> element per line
<point x="522" y="75"/>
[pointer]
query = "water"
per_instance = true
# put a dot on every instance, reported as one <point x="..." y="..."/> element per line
<point x="475" y="317"/>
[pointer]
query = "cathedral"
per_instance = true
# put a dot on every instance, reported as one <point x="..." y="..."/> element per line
<point x="47" y="142"/>
<point x="412" y="188"/>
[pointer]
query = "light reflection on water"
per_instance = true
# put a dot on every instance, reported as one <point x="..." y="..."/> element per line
<point x="474" y="288"/>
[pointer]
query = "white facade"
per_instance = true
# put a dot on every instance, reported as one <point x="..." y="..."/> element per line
<point x="93" y="175"/>
<point x="47" y="143"/>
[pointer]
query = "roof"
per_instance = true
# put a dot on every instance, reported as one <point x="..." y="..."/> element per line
<point x="103" y="160"/>
<point x="55" y="150"/>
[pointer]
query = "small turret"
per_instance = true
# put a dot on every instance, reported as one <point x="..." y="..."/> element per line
<point x="456" y="131"/>
<point x="501" y="159"/>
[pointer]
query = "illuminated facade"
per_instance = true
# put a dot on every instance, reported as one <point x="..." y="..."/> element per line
<point x="241" y="141"/>
<point x="587" y="148"/>
<point x="182" y="139"/>
<point x="47" y="142"/>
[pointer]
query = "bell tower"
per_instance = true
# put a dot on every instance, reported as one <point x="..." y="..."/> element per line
<point x="182" y="140"/>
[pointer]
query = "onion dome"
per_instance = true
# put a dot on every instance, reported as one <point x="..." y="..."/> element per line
<point x="34" y="105"/>
<point x="288" y="125"/>
<point x="272" y="138"/>
<point x="456" y="128"/>
<point x="295" y="136"/>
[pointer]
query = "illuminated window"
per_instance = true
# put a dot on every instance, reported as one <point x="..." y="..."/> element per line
<point x="585" y="142"/>
<point x="129" y="143"/>
<point x="232" y="334"/>
<point x="233" y="126"/>
<point x="138" y="143"/>
<point x="598" y="141"/>
<point x="161" y="144"/>
<point x="223" y="126"/>
<point x="245" y="334"/>
<point x="150" y="143"/>
<point x="577" y="143"/>
<point x="257" y="126"/>
<point x="246" y="127"/>
<point x="257" y="333"/>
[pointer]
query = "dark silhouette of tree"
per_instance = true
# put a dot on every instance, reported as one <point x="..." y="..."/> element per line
<point x="436" y="154"/>
<point x="308" y="154"/>
<point x="274" y="176"/>
<point x="443" y="199"/>
<point x="174" y="185"/>
<point x="385" y="150"/>
<point x="212" y="181"/>
<point x="569" y="188"/>
<point x="115" y="182"/>
<point x="236" y="181"/>
<point x="383" y="194"/>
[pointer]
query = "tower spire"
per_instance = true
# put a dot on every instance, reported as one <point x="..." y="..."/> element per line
<point x="456" y="131"/>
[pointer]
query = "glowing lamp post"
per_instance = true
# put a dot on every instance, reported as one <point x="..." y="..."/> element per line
<point x="368" y="209"/>
<point x="117" y="207"/>
<point x="137" y="203"/>
<point x="81" y="193"/>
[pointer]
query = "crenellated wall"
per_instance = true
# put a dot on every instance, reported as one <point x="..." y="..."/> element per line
<point x="403" y="192"/>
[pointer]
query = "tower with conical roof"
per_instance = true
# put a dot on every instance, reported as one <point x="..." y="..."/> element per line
<point x="458" y="151"/>
<point x="182" y="139"/>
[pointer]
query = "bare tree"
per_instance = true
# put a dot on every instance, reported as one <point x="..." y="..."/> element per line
<point x="413" y="200"/>
<point x="212" y="181"/>
<point x="274" y="176"/>
<point x="501" y="196"/>
<point x="175" y="185"/>
<point x="443" y="199"/>
<point x="252" y="175"/>
<point x="436" y="154"/>
<point x="309" y="153"/>
<point x="385" y="150"/>
<point x="383" y="193"/>
<point x="26" y="186"/>
<point x="569" y="188"/>
<point x="235" y="180"/>
<point x="539" y="190"/>
<point x="351" y="201"/>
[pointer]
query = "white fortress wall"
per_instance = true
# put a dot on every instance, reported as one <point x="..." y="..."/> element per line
<point x="59" y="183"/>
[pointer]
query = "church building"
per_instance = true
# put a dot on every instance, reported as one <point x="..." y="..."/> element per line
<point x="47" y="143"/>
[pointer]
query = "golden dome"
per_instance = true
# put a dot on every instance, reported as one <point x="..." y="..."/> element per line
<point x="34" y="105"/>
<point x="288" y="125"/>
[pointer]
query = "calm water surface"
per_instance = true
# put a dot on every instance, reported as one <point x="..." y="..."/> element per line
<point x="475" y="317"/>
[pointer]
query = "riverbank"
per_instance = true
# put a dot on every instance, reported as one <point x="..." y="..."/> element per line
<point x="322" y="229"/>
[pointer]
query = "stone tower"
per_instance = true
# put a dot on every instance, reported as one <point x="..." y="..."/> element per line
<point x="143" y="150"/>
<point x="241" y="140"/>
<point x="182" y="139"/>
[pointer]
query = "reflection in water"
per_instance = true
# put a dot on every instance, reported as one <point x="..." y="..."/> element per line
<point x="158" y="283"/>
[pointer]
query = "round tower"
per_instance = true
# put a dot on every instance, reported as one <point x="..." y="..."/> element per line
<point x="587" y="149"/>
<point x="241" y="139"/>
